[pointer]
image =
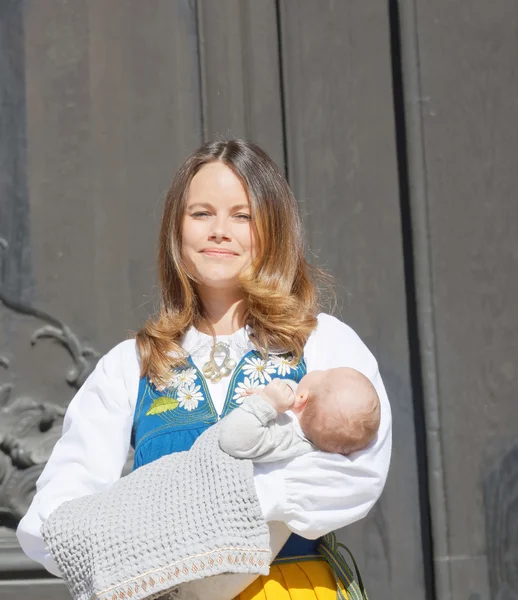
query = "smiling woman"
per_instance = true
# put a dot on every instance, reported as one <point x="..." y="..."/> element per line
<point x="218" y="240"/>
<point x="235" y="288"/>
<point x="231" y="251"/>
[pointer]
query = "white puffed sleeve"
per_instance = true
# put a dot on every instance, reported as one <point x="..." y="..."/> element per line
<point x="93" y="449"/>
<point x="319" y="492"/>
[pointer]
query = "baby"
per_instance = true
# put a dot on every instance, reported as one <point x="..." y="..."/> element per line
<point x="337" y="410"/>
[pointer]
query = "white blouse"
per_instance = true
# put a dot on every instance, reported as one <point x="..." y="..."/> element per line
<point x="313" y="494"/>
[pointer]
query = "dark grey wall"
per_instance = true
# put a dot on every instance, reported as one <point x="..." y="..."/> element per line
<point x="463" y="138"/>
<point x="342" y="165"/>
<point x="396" y="124"/>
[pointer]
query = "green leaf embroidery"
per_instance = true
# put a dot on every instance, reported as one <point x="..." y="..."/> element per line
<point x="162" y="404"/>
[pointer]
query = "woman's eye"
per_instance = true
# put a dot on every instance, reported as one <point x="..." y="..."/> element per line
<point x="243" y="217"/>
<point x="199" y="215"/>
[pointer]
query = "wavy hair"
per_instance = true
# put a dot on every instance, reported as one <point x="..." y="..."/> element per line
<point x="279" y="288"/>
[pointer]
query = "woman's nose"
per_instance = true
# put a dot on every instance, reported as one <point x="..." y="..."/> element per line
<point x="220" y="231"/>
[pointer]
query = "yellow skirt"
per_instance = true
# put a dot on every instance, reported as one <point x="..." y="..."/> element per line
<point x="309" y="578"/>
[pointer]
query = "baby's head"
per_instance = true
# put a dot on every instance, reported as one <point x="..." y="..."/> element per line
<point x="335" y="409"/>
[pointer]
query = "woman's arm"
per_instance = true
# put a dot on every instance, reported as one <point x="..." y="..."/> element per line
<point x="93" y="449"/>
<point x="320" y="492"/>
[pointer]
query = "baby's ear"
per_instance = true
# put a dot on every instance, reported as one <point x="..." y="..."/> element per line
<point x="301" y="400"/>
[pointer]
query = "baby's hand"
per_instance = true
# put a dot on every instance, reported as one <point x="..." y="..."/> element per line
<point x="279" y="394"/>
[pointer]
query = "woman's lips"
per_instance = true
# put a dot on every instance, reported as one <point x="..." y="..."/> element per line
<point x="218" y="253"/>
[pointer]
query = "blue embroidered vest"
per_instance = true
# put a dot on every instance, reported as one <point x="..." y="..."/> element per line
<point x="171" y="420"/>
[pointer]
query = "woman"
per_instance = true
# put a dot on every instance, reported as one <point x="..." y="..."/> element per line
<point x="239" y="306"/>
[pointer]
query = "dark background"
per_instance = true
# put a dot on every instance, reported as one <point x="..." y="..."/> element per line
<point x="396" y="123"/>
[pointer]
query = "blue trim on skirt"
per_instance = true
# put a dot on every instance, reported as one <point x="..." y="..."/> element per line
<point x="298" y="546"/>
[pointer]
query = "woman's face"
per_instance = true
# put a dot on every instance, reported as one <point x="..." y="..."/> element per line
<point x="217" y="235"/>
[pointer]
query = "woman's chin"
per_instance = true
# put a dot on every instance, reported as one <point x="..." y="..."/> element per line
<point x="219" y="282"/>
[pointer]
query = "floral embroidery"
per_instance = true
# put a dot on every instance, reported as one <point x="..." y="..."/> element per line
<point x="189" y="396"/>
<point x="281" y="364"/>
<point x="182" y="377"/>
<point x="188" y="403"/>
<point x="257" y="368"/>
<point x="246" y="388"/>
<point x="188" y="387"/>
<point x="185" y="393"/>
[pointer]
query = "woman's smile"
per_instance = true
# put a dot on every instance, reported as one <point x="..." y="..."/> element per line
<point x="218" y="253"/>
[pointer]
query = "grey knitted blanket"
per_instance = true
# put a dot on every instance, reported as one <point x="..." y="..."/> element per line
<point x="183" y="517"/>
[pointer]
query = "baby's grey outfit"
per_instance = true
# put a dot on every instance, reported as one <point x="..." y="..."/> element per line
<point x="256" y="431"/>
<point x="180" y="518"/>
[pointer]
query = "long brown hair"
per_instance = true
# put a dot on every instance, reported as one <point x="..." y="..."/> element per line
<point x="280" y="287"/>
